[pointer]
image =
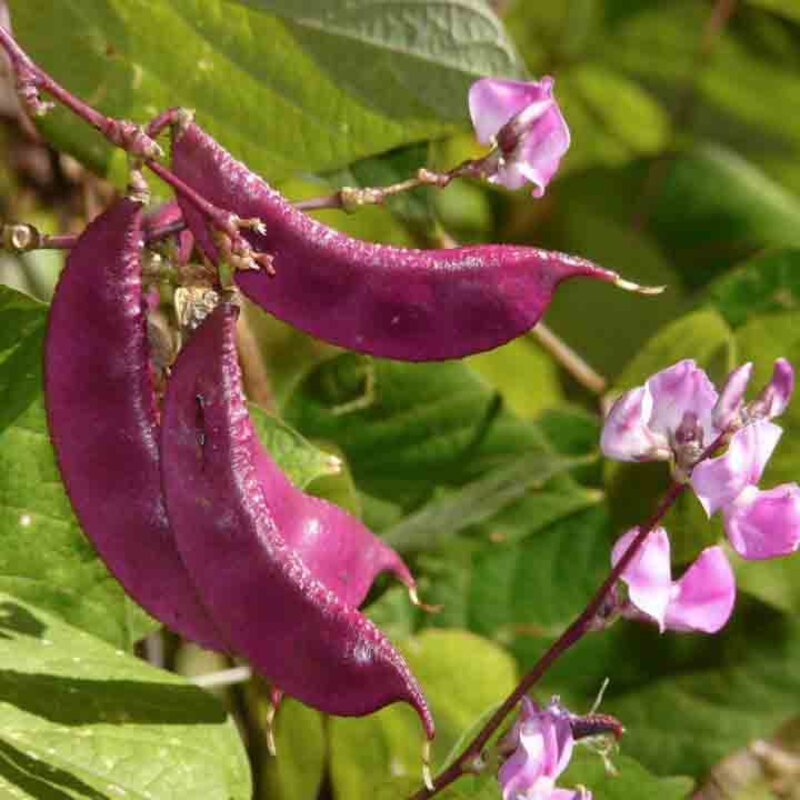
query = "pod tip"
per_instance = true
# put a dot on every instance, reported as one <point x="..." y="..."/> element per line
<point x="430" y="608"/>
<point x="630" y="286"/>
<point x="272" y="747"/>
<point x="427" y="775"/>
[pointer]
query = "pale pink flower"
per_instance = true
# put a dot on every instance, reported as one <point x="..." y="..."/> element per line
<point x="524" y="121"/>
<point x="542" y="744"/>
<point x="669" y="415"/>
<point x="701" y="600"/>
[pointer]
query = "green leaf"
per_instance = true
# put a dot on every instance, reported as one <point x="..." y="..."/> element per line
<point x="22" y="321"/>
<point x="461" y="676"/>
<point x="476" y="502"/>
<point x="44" y="556"/>
<point x="296" y="456"/>
<point x="715" y="207"/>
<point x="81" y="719"/>
<point x="293" y="86"/>
<point x="764" y="284"/>
<point x="702" y="335"/>
<point x="404" y="427"/>
<point x="526" y="377"/>
<point x="631" y="779"/>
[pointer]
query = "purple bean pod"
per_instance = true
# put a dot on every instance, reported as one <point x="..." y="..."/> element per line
<point x="103" y="422"/>
<point x="294" y="629"/>
<point x="413" y="305"/>
<point x="338" y="549"/>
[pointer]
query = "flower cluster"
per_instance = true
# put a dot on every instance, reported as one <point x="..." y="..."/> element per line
<point x="523" y="121"/>
<point x="679" y="416"/>
<point x="541" y="743"/>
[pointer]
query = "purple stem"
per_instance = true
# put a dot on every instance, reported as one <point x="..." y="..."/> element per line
<point x="574" y="633"/>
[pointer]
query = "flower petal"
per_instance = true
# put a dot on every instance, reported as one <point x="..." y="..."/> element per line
<point x="776" y="394"/>
<point x="493" y="101"/>
<point x="540" y="152"/>
<point x="679" y="389"/>
<point x="648" y="575"/>
<point x="719" y="481"/>
<point x="731" y="397"/>
<point x="765" y="524"/>
<point x="626" y="435"/>
<point x="703" y="598"/>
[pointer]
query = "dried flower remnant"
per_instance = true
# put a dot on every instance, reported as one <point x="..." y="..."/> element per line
<point x="524" y="123"/>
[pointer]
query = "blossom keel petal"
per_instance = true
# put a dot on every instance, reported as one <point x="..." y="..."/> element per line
<point x="765" y="524"/>
<point x="703" y="599"/>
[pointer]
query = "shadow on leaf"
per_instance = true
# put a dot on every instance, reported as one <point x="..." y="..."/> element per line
<point x="41" y="780"/>
<point x="78" y="701"/>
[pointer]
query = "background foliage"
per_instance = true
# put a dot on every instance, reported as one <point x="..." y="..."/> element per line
<point x="484" y="473"/>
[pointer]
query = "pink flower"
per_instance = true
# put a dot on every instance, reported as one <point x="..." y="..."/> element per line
<point x="542" y="742"/>
<point x="678" y="413"/>
<point x="764" y="524"/>
<point x="759" y="524"/>
<point x="669" y="416"/>
<point x="525" y="122"/>
<point x="701" y="600"/>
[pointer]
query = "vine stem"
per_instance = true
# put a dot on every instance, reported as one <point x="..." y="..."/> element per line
<point x="582" y="624"/>
<point x="577" y="366"/>
<point x="351" y="198"/>
<point x="22" y="237"/>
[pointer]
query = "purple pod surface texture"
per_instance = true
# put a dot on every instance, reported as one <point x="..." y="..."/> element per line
<point x="269" y="605"/>
<point x="413" y="305"/>
<point x="103" y="424"/>
<point x="338" y="549"/>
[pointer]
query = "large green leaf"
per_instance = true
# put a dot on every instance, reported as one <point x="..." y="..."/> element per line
<point x="769" y="282"/>
<point x="462" y="675"/>
<point x="404" y="427"/>
<point x="715" y="207"/>
<point x="81" y="719"/>
<point x="22" y="321"/>
<point x="291" y="86"/>
<point x="477" y="501"/>
<point x="44" y="556"/>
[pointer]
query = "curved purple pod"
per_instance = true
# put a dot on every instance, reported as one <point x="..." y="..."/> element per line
<point x="268" y="603"/>
<point x="414" y="305"/>
<point x="102" y="418"/>
<point x="338" y="549"/>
